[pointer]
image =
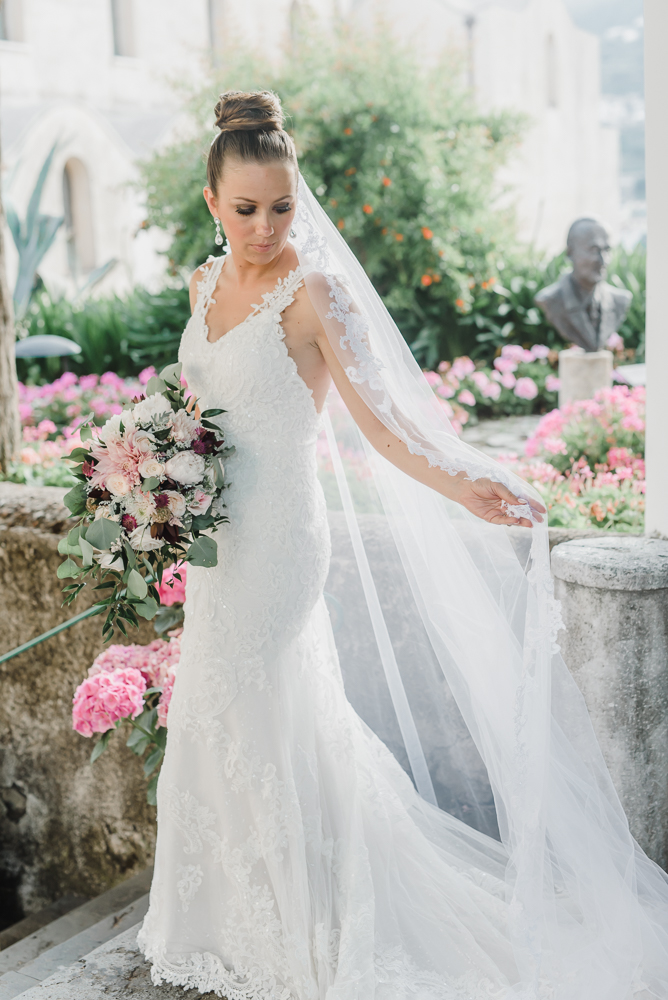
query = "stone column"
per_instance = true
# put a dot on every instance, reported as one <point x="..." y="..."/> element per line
<point x="614" y="594"/>
<point x="581" y="374"/>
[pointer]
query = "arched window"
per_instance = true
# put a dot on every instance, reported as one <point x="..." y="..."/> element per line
<point x="216" y="29"/>
<point x="123" y="28"/>
<point x="11" y="21"/>
<point x="78" y="220"/>
<point x="552" y="73"/>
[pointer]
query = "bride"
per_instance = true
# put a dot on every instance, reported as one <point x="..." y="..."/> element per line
<point x="295" y="858"/>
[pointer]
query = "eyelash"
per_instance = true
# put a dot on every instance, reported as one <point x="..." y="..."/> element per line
<point x="282" y="209"/>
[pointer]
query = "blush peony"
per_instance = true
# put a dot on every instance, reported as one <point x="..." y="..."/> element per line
<point x="152" y="408"/>
<point x="186" y="467"/>
<point x="200" y="502"/>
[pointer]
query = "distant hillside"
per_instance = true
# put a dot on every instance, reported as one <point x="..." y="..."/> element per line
<point x="619" y="25"/>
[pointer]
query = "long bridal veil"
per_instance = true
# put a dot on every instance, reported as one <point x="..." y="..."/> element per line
<point x="587" y="910"/>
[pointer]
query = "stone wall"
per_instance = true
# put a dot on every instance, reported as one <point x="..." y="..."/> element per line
<point x="66" y="826"/>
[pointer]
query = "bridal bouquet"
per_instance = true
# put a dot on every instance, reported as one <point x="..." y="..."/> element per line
<point x="151" y="483"/>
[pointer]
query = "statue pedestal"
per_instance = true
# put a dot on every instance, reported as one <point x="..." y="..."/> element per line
<point x="582" y="374"/>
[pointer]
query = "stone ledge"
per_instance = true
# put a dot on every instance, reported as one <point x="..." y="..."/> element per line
<point x="33" y="507"/>
<point x="616" y="562"/>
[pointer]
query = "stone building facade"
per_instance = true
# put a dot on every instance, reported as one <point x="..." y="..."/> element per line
<point x="98" y="76"/>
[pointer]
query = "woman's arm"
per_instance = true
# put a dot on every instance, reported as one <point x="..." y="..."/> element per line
<point x="483" y="497"/>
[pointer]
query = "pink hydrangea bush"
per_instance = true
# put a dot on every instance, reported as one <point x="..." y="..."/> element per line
<point x="132" y="684"/>
<point x="51" y="413"/>
<point x="520" y="381"/>
<point x="587" y="461"/>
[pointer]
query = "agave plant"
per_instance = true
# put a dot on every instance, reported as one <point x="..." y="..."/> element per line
<point x="33" y="237"/>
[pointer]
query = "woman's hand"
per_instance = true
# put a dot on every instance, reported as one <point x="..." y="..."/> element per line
<point x="486" y="499"/>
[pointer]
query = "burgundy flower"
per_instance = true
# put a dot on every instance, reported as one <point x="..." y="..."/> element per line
<point x="200" y="447"/>
<point x="88" y="468"/>
<point x="129" y="522"/>
<point x="162" y="500"/>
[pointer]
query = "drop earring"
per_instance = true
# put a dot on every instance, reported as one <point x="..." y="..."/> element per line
<point x="292" y="233"/>
<point x="218" y="239"/>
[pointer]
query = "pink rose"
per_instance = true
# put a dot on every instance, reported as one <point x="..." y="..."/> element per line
<point x="101" y="700"/>
<point x="201" y="502"/>
<point x="505" y="365"/>
<point x="552" y="383"/>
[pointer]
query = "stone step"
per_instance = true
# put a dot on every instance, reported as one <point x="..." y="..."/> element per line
<point x="58" y="960"/>
<point x="115" y="969"/>
<point x="24" y="928"/>
<point x="19" y="954"/>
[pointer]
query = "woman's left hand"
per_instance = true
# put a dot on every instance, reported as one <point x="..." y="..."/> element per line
<point x="486" y="499"/>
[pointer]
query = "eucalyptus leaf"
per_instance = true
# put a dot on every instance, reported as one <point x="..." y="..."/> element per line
<point x="75" y="500"/>
<point x="147" y="608"/>
<point x="154" y="385"/>
<point x="68" y="570"/>
<point x="103" y="533"/>
<point x="66" y="549"/>
<point x="152" y="761"/>
<point x="172" y="373"/>
<point x="203" y="552"/>
<point x="86" y="433"/>
<point x="152" y="791"/>
<point x="150" y="484"/>
<point x="137" y="586"/>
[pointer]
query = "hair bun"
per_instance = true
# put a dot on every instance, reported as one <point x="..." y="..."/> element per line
<point x="259" y="111"/>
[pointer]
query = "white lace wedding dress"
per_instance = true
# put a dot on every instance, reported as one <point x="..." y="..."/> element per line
<point x="294" y="857"/>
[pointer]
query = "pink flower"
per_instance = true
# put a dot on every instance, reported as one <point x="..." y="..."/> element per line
<point x="539" y="351"/>
<point x="200" y="503"/>
<point x="445" y="391"/>
<point x="552" y="383"/>
<point x="433" y="378"/>
<point x="146" y="373"/>
<point x="461" y="367"/>
<point x="46" y="427"/>
<point x="555" y="446"/>
<point x="165" y="698"/>
<point x="513" y="352"/>
<point x="443" y="366"/>
<point x="492" y="390"/>
<point x="103" y="699"/>
<point x="505" y="365"/>
<point x="526" y="388"/>
<point x="173" y="591"/>
<point x="614" y="342"/>
<point x="632" y="422"/>
<point x="480" y="380"/>
<point x="508" y="380"/>
<point x="87" y="382"/>
<point x="466" y="398"/>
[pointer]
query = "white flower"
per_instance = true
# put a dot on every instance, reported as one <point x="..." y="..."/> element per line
<point x="184" y="427"/>
<point x="141" y="541"/>
<point x="151" y="467"/>
<point x="104" y="510"/>
<point x="151" y="408"/>
<point x="112" y="429"/>
<point x="186" y="467"/>
<point x="109" y="560"/>
<point x="118" y="484"/>
<point x="144" y="441"/>
<point x="140" y="505"/>
<point x="177" y="503"/>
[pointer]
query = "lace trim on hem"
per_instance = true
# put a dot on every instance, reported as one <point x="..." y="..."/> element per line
<point x="206" y="973"/>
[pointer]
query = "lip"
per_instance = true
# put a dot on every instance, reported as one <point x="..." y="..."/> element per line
<point x="262" y="247"/>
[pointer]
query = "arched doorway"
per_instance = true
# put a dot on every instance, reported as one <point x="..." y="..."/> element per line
<point x="78" y="218"/>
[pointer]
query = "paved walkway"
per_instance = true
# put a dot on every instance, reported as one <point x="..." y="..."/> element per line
<point x="497" y="437"/>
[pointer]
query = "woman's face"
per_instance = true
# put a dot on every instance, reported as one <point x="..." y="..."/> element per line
<point x="256" y="204"/>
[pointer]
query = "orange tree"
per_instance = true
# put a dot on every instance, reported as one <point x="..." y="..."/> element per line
<point x="399" y="157"/>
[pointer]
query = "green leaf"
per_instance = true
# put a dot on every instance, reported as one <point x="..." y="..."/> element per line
<point x="168" y="617"/>
<point x="154" y="385"/>
<point x="68" y="570"/>
<point x="75" y="500"/>
<point x="203" y="552"/>
<point x="213" y="413"/>
<point x="152" y="761"/>
<point x="66" y="549"/>
<point x="150" y="484"/>
<point x="137" y="587"/>
<point x="101" y="745"/>
<point x="103" y="533"/>
<point x="86" y="433"/>
<point x="172" y="374"/>
<point x="86" y="551"/>
<point x="78" y="455"/>
<point x="73" y="535"/>
<point x="152" y="790"/>
<point x="202" y="521"/>
<point x="218" y="476"/>
<point x="147" y="608"/>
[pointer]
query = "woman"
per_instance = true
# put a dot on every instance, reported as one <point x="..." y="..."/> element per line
<point x="295" y="859"/>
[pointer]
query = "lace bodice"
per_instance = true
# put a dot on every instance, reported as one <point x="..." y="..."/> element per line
<point x="248" y="372"/>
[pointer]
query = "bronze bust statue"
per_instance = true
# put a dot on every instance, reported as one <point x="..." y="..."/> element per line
<point x="582" y="306"/>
